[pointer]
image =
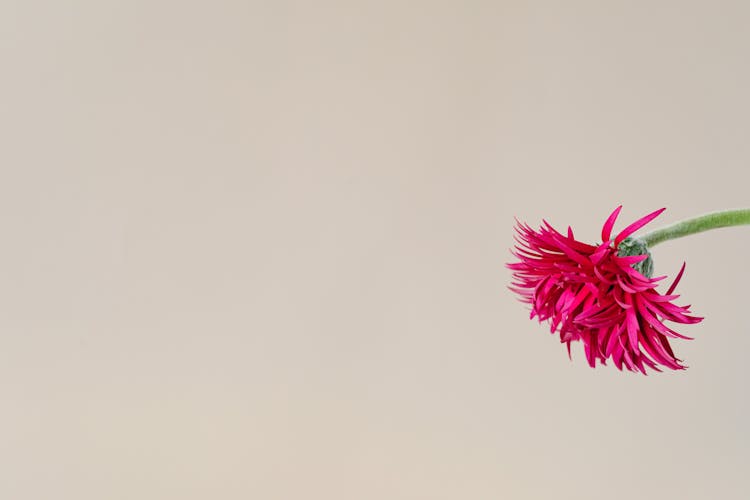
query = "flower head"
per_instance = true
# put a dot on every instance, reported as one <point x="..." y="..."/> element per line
<point x="599" y="294"/>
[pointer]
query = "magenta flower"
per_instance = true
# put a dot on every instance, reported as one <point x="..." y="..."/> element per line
<point x="602" y="295"/>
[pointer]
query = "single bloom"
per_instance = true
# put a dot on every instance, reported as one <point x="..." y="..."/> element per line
<point x="603" y="296"/>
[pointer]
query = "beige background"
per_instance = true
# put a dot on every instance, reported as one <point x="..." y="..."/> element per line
<point x="254" y="250"/>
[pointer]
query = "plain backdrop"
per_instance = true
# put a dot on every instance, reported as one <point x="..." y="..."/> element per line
<point x="255" y="250"/>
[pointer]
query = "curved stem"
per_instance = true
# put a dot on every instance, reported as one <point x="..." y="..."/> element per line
<point x="698" y="224"/>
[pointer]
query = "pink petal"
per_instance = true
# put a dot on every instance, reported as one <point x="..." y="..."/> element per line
<point x="676" y="280"/>
<point x="631" y="321"/>
<point x="610" y="223"/>
<point x="635" y="226"/>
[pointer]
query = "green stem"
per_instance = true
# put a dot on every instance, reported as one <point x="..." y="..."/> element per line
<point x="696" y="225"/>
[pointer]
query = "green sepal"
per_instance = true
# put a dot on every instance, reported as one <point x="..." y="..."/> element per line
<point x="635" y="246"/>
